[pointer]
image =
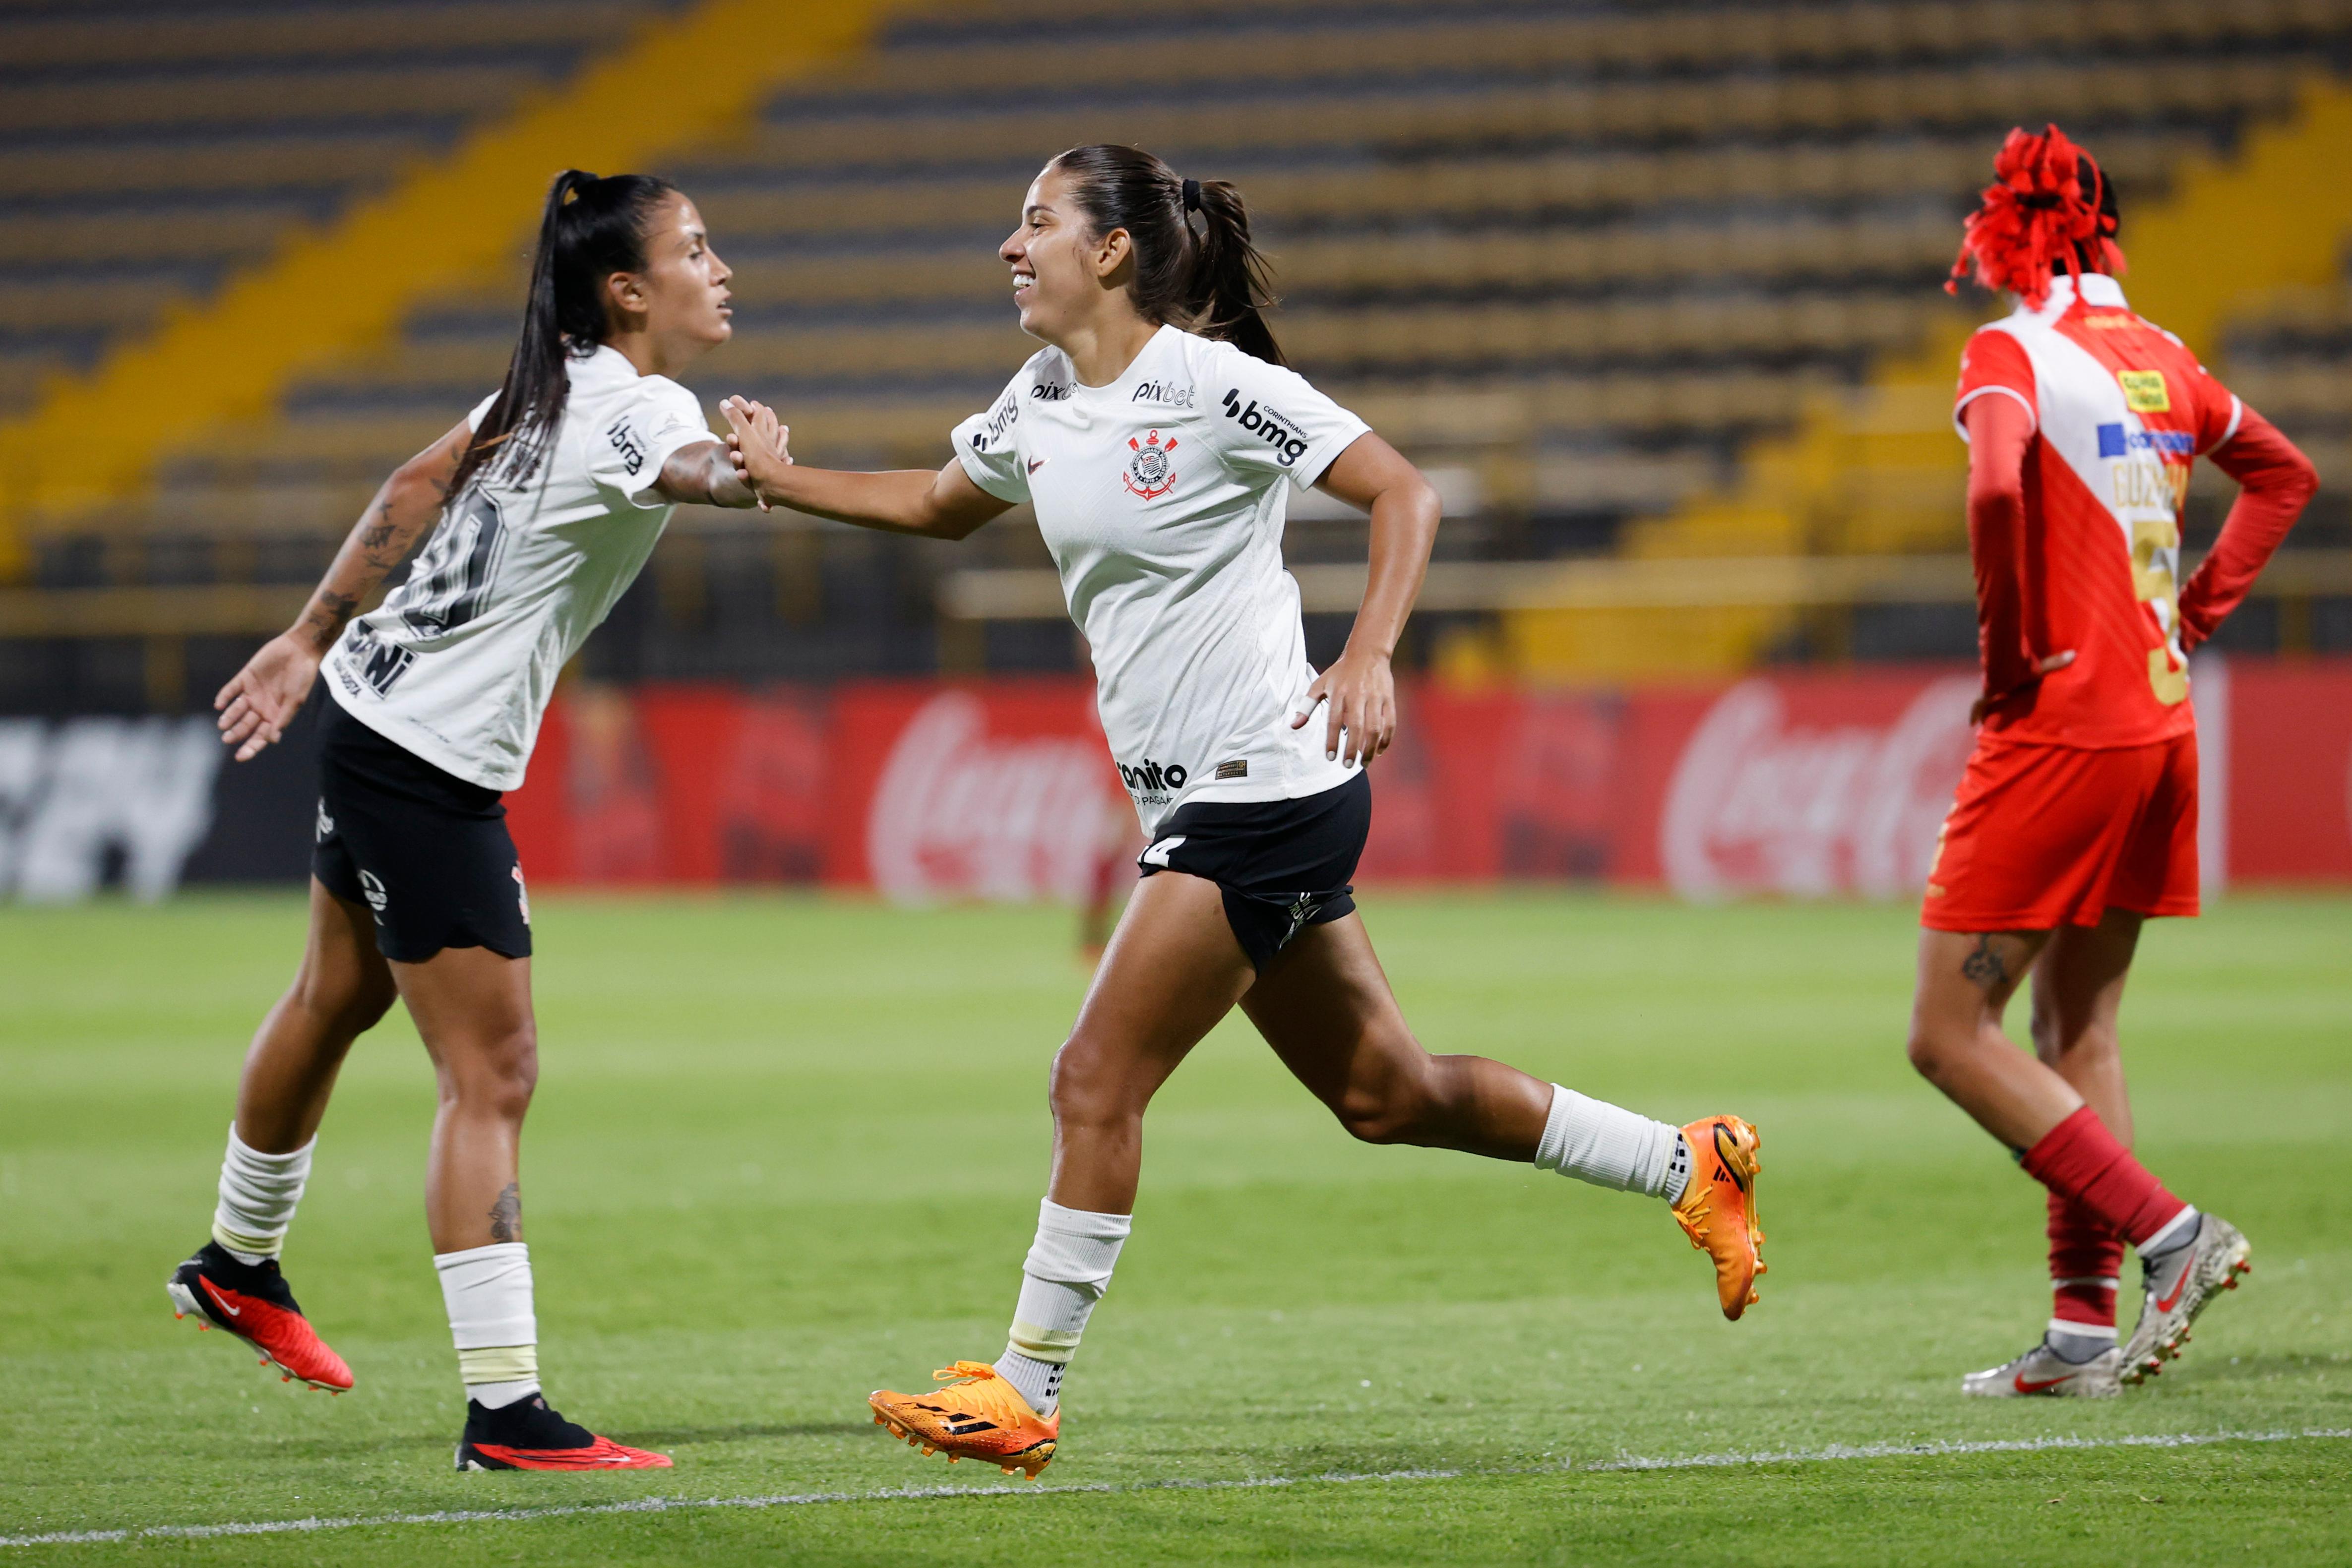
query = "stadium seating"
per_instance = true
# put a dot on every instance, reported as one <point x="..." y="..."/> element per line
<point x="149" y="148"/>
<point x="1584" y="254"/>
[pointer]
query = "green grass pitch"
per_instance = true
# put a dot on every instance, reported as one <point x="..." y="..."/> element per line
<point x="788" y="1149"/>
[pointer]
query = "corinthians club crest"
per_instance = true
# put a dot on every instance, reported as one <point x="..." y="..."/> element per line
<point x="1147" y="473"/>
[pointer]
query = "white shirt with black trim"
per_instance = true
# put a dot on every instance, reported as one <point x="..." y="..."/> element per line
<point x="459" y="662"/>
<point x="1161" y="496"/>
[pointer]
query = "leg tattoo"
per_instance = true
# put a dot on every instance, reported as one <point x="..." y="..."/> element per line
<point x="506" y="1214"/>
<point x="1983" y="966"/>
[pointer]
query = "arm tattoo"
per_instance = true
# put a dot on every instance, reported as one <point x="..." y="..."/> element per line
<point x="328" y="612"/>
<point x="374" y="536"/>
<point x="1983" y="965"/>
<point x="506" y="1214"/>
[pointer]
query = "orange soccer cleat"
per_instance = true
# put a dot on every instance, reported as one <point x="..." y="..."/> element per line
<point x="1717" y="1209"/>
<point x="977" y="1415"/>
<point x="253" y="1302"/>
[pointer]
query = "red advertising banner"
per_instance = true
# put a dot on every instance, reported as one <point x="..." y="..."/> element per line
<point x="1794" y="785"/>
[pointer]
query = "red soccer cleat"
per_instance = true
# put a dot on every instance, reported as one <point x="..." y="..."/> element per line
<point x="527" y="1435"/>
<point x="251" y="1300"/>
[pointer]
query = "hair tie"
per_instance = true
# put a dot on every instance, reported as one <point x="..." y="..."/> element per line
<point x="1191" y="195"/>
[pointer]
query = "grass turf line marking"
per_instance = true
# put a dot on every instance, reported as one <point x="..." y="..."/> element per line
<point x="1833" y="1453"/>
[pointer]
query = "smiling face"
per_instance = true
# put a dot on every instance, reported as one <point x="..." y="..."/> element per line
<point x="680" y="299"/>
<point x="1062" y="275"/>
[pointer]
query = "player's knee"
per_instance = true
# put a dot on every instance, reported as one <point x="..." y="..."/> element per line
<point x="1930" y="1049"/>
<point x="497" y="1075"/>
<point x="1393" y="1110"/>
<point x="1086" y="1087"/>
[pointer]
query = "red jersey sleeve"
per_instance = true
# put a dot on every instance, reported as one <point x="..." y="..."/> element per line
<point x="2276" y="481"/>
<point x="2218" y="412"/>
<point x="1995" y="363"/>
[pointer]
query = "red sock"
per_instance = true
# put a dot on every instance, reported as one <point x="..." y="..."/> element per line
<point x="2086" y="1260"/>
<point x="2081" y="1160"/>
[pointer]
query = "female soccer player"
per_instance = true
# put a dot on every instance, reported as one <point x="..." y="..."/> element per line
<point x="1156" y="435"/>
<point x="548" y="500"/>
<point x="2076" y="818"/>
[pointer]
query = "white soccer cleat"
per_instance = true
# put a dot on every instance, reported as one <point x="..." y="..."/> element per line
<point x="2043" y="1371"/>
<point x="2178" y="1287"/>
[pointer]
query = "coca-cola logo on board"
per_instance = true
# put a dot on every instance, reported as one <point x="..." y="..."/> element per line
<point x="1759" y="805"/>
<point x="962" y="814"/>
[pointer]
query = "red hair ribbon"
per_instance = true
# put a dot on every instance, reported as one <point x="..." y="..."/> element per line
<point x="2033" y="217"/>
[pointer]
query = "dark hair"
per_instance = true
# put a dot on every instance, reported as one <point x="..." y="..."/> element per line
<point x="592" y="229"/>
<point x="1212" y="281"/>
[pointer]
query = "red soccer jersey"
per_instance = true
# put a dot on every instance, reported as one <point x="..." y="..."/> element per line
<point x="2120" y="411"/>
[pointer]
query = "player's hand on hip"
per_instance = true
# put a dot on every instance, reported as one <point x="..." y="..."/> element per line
<point x="1358" y="696"/>
<point x="1984" y="704"/>
<point x="261" y="699"/>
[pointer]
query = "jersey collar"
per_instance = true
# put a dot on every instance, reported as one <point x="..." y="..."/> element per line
<point x="2097" y="289"/>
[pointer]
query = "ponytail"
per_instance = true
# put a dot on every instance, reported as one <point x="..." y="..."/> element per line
<point x="1212" y="280"/>
<point x="591" y="228"/>
<point x="2050" y="206"/>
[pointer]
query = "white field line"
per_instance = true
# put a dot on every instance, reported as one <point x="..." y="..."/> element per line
<point x="1623" y="1462"/>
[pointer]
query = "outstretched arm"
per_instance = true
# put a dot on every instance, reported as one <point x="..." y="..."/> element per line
<point x="261" y="699"/>
<point x="942" y="505"/>
<point x="704" y="473"/>
<point x="1359" y="688"/>
<point x="2277" y="480"/>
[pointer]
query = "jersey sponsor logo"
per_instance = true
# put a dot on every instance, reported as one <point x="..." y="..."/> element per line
<point x="1148" y="474"/>
<point x="2144" y="392"/>
<point x="1150" y="777"/>
<point x="325" y="826"/>
<point x="1050" y="392"/>
<point x="624" y="437"/>
<point x="2115" y="441"/>
<point x="1035" y="464"/>
<point x="1288" y="444"/>
<point x="378" y="663"/>
<point x="1001" y="418"/>
<point x="372" y="888"/>
<point x="1168" y="394"/>
<point x="1237" y="768"/>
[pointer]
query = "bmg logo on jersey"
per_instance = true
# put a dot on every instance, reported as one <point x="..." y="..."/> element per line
<point x="1149" y="474"/>
<point x="1288" y="444"/>
<point x="624" y="437"/>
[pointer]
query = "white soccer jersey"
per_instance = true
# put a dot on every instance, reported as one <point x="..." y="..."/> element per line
<point x="459" y="663"/>
<point x="1161" y="496"/>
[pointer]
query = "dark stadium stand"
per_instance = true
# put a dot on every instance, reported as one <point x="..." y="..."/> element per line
<point x="1575" y="255"/>
<point x="146" y="148"/>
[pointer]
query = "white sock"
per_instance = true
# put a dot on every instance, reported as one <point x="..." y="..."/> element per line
<point x="2078" y="1342"/>
<point x="257" y="1195"/>
<point x="2179" y="1231"/>
<point x="1067" y="1271"/>
<point x="1597" y="1142"/>
<point x="487" y="1292"/>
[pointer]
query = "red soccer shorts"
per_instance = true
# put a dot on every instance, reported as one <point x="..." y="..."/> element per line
<point x="2044" y="836"/>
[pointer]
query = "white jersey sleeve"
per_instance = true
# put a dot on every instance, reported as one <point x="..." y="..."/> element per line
<point x="1275" y="423"/>
<point x="989" y="443"/>
<point x="481" y="412"/>
<point x="627" y="451"/>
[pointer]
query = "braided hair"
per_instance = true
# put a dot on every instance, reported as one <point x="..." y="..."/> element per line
<point x="2050" y="206"/>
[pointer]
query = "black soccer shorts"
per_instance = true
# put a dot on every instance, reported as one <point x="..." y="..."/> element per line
<point x="1283" y="866"/>
<point x="427" y="852"/>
